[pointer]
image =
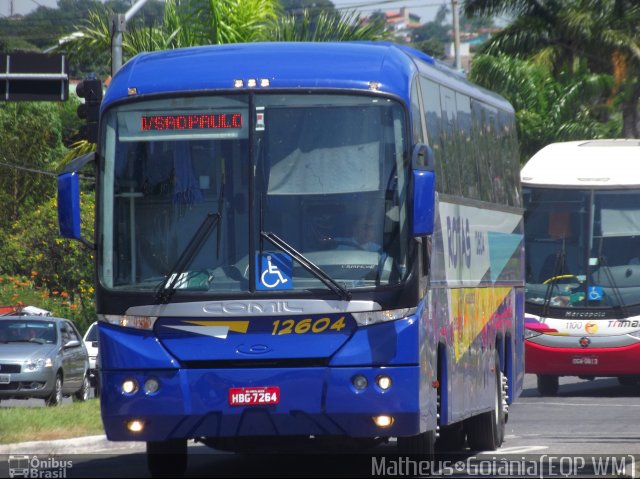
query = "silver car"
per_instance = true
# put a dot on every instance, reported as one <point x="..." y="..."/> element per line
<point x="42" y="357"/>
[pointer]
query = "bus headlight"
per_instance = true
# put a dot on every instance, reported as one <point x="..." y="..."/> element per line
<point x="529" y="333"/>
<point x="373" y="317"/>
<point x="129" y="386"/>
<point x="129" y="321"/>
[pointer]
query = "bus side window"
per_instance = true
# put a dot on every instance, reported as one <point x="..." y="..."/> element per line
<point x="467" y="154"/>
<point x="433" y="118"/>
<point x="448" y="136"/>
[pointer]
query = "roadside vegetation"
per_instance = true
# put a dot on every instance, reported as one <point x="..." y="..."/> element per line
<point x="569" y="68"/>
<point x="22" y="424"/>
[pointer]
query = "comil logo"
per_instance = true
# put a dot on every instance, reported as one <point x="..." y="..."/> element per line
<point x="49" y="467"/>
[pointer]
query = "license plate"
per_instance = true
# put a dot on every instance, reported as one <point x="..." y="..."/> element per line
<point x="585" y="360"/>
<point x="5" y="378"/>
<point x="254" y="396"/>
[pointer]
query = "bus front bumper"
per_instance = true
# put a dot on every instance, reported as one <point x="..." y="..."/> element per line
<point x="312" y="401"/>
<point x="582" y="361"/>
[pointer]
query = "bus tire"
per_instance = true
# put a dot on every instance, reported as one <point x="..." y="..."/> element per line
<point x="420" y="445"/>
<point x="548" y="384"/>
<point x="167" y="458"/>
<point x="629" y="380"/>
<point x="485" y="432"/>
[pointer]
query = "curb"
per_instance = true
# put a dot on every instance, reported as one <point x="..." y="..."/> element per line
<point x="78" y="445"/>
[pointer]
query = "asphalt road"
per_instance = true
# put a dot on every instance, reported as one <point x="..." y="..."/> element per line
<point x="587" y="425"/>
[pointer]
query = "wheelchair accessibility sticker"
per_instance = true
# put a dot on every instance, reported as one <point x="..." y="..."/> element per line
<point x="274" y="271"/>
<point x="596" y="293"/>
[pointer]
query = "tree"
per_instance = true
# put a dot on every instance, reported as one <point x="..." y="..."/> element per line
<point x="30" y="149"/>
<point x="326" y="27"/>
<point x="60" y="266"/>
<point x="432" y="36"/>
<point x="574" y="35"/>
<point x="205" y="22"/>
<point x="547" y="110"/>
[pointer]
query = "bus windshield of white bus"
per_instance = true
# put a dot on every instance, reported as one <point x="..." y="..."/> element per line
<point x="189" y="185"/>
<point x="582" y="247"/>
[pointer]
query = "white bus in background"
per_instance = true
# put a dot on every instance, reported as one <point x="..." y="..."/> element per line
<point x="582" y="247"/>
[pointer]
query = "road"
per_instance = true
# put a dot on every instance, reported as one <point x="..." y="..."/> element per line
<point x="552" y="436"/>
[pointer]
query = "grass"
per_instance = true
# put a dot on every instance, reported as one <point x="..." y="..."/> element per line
<point x="20" y="424"/>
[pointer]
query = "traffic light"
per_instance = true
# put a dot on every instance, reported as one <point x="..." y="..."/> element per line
<point x="91" y="90"/>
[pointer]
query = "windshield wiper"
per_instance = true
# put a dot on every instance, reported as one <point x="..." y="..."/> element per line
<point x="168" y="286"/>
<point x="558" y="268"/>
<point x="315" y="270"/>
<point x="212" y="220"/>
<point x="613" y="283"/>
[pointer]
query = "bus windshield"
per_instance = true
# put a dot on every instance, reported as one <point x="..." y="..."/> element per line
<point x="192" y="186"/>
<point x="582" y="247"/>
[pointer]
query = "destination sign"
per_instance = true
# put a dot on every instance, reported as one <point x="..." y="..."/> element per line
<point x="204" y="121"/>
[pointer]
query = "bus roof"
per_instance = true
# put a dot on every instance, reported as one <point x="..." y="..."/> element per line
<point x="587" y="163"/>
<point x="318" y="65"/>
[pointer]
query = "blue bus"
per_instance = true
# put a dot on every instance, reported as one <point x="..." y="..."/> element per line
<point x="297" y="242"/>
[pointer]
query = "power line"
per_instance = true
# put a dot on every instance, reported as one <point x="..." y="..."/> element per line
<point x="83" y="177"/>
<point x="31" y="170"/>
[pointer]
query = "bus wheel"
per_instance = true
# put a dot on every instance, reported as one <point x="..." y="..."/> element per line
<point x="548" y="384"/>
<point x="629" y="380"/>
<point x="420" y="445"/>
<point x="485" y="432"/>
<point x="168" y="458"/>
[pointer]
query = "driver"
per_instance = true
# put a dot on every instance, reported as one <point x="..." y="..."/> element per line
<point x="365" y="234"/>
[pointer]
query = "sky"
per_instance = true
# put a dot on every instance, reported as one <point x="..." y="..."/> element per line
<point x="24" y="6"/>
<point x="425" y="9"/>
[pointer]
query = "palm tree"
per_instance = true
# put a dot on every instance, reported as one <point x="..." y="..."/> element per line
<point x="199" y="22"/>
<point x="570" y="36"/>
<point x="547" y="109"/>
<point x="209" y="22"/>
<point x="326" y="26"/>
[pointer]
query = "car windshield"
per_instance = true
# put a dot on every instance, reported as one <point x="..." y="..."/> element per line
<point x="92" y="333"/>
<point x="195" y="188"/>
<point x="16" y="331"/>
<point x="582" y="247"/>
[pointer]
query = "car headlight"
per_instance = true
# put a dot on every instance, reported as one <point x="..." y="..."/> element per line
<point x="372" y="317"/>
<point x="35" y="364"/>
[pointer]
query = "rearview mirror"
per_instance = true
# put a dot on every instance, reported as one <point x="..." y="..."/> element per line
<point x="424" y="190"/>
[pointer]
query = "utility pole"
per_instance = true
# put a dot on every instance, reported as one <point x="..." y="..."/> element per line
<point x="118" y="27"/>
<point x="456" y="34"/>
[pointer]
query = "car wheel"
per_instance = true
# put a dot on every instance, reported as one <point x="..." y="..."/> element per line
<point x="55" y="399"/>
<point x="83" y="393"/>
